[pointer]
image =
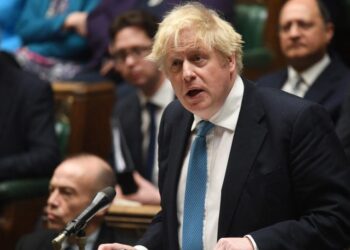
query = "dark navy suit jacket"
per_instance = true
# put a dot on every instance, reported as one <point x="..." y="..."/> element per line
<point x="286" y="182"/>
<point x="28" y="145"/>
<point x="329" y="89"/>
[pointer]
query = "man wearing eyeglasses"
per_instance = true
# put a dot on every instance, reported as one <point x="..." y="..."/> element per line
<point x="137" y="116"/>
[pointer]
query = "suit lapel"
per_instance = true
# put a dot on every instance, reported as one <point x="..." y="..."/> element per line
<point x="324" y="85"/>
<point x="247" y="140"/>
<point x="179" y="142"/>
<point x="281" y="78"/>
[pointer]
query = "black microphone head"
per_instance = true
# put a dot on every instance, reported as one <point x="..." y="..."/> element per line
<point x="105" y="196"/>
<point x="109" y="192"/>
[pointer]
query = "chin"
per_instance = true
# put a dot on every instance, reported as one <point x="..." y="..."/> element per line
<point x="55" y="227"/>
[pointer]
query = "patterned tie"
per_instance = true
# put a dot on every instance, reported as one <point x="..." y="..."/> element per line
<point x="151" y="108"/>
<point x="192" y="235"/>
<point x="299" y="87"/>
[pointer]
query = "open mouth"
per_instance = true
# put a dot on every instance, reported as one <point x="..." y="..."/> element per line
<point x="194" y="92"/>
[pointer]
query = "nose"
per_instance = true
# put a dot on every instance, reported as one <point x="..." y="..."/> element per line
<point x="187" y="71"/>
<point x="53" y="199"/>
<point x="294" y="30"/>
<point x="129" y="60"/>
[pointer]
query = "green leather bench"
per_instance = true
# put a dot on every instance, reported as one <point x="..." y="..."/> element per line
<point x="250" y="22"/>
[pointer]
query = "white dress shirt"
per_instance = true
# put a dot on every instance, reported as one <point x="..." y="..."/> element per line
<point x="309" y="76"/>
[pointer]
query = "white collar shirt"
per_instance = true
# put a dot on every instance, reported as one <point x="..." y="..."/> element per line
<point x="309" y="76"/>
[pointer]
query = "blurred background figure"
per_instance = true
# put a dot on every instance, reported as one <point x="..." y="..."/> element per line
<point x="28" y="144"/>
<point x="95" y="25"/>
<point x="305" y="31"/>
<point x="137" y="116"/>
<point x="73" y="185"/>
<point x="10" y="11"/>
<point x="50" y="47"/>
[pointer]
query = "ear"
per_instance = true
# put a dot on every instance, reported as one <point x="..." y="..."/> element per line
<point x="232" y="63"/>
<point x="110" y="49"/>
<point x="329" y="31"/>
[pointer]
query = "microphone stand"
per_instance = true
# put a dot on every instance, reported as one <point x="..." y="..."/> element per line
<point x="79" y="239"/>
<point x="76" y="227"/>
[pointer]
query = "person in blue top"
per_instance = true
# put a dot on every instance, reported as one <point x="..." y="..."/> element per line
<point x="49" y="45"/>
<point x="10" y="11"/>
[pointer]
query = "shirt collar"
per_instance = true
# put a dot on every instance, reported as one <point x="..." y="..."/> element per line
<point x="227" y="116"/>
<point x="309" y="76"/>
<point x="161" y="98"/>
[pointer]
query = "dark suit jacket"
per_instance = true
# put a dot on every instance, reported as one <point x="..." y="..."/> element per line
<point x="128" y="111"/>
<point x="41" y="240"/>
<point x="343" y="126"/>
<point x="28" y="145"/>
<point x="329" y="88"/>
<point x="286" y="182"/>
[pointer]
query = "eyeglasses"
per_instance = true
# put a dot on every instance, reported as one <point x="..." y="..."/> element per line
<point x="136" y="52"/>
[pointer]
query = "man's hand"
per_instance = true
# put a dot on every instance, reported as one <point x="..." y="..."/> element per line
<point x="115" y="246"/>
<point x="234" y="244"/>
<point x="107" y="66"/>
<point x="147" y="193"/>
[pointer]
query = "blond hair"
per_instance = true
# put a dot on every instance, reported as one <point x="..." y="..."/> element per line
<point x="208" y="27"/>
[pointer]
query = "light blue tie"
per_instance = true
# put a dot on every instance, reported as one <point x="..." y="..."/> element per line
<point x="196" y="182"/>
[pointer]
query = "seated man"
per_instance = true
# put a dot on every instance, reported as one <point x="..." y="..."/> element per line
<point x="28" y="144"/>
<point x="73" y="185"/>
<point x="305" y="31"/>
<point x="137" y="115"/>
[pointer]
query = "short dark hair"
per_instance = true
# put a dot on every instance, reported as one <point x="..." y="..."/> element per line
<point x="135" y="18"/>
<point x="325" y="15"/>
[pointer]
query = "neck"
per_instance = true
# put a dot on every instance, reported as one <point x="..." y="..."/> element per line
<point x="302" y="65"/>
<point x="153" y="86"/>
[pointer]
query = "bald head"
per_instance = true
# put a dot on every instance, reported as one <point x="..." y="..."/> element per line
<point x="305" y="31"/>
<point x="73" y="185"/>
<point x="89" y="170"/>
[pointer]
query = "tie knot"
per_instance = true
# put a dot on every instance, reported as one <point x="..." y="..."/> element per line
<point x="299" y="82"/>
<point x="203" y="128"/>
<point x="151" y="106"/>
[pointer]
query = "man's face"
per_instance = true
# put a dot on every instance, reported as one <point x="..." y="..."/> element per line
<point x="304" y="36"/>
<point x="129" y="48"/>
<point x="201" y="77"/>
<point x="70" y="193"/>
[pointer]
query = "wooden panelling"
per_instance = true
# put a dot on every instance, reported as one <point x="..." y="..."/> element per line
<point x="88" y="108"/>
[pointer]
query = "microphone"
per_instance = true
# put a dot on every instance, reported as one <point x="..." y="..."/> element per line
<point x="102" y="199"/>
